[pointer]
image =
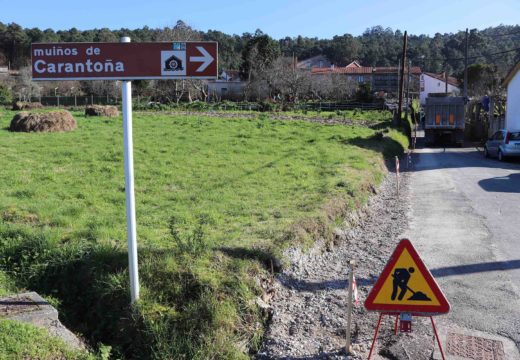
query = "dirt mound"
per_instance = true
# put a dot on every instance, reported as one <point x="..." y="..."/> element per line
<point x="60" y="120"/>
<point x="99" y="110"/>
<point x="23" y="105"/>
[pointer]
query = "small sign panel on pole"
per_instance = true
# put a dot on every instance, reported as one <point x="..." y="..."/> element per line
<point x="125" y="61"/>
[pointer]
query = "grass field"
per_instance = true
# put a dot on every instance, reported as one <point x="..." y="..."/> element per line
<point x="216" y="200"/>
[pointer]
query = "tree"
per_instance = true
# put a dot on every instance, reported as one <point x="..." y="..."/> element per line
<point x="342" y="49"/>
<point x="258" y="54"/>
<point x="25" y="87"/>
<point x="481" y="79"/>
<point x="6" y="97"/>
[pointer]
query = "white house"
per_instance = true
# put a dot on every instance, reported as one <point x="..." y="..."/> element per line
<point x="431" y="83"/>
<point x="228" y="86"/>
<point x="512" y="82"/>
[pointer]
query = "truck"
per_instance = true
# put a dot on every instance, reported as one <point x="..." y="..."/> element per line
<point x="444" y="119"/>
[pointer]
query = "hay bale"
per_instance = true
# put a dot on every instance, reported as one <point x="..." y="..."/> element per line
<point x="23" y="105"/>
<point x="52" y="121"/>
<point x="100" y="110"/>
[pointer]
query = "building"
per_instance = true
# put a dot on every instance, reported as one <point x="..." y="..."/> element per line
<point x="319" y="61"/>
<point x="431" y="83"/>
<point x="512" y="83"/>
<point x="381" y="79"/>
<point x="228" y="86"/>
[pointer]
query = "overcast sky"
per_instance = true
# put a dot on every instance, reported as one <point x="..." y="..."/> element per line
<point x="278" y="18"/>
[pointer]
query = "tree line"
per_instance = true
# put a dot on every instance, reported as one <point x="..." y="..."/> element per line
<point x="377" y="46"/>
<point x="266" y="62"/>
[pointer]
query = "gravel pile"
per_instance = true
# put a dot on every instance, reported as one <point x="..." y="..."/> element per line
<point x="310" y="302"/>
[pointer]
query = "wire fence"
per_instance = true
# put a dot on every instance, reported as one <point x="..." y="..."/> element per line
<point x="143" y="102"/>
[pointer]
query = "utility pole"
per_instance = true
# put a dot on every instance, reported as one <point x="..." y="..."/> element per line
<point x="446" y="78"/>
<point x="466" y="67"/>
<point x="401" y="80"/>
<point x="398" y="67"/>
<point x="408" y="89"/>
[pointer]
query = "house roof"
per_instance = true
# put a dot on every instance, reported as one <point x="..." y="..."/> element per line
<point x="304" y="63"/>
<point x="451" y="80"/>
<point x="233" y="75"/>
<point x="511" y="74"/>
<point x="342" y="70"/>
<point x="415" y="70"/>
<point x="353" y="64"/>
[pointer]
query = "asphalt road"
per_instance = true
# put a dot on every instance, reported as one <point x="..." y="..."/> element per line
<point x="465" y="223"/>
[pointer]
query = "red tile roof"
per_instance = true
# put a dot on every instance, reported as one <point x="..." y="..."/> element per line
<point x="415" y="70"/>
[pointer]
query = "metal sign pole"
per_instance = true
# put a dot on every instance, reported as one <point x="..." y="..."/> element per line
<point x="352" y="264"/>
<point x="129" y="185"/>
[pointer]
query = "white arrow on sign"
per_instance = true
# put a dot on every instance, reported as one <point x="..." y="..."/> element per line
<point x="206" y="59"/>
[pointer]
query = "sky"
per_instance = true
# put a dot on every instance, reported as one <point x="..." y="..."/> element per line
<point x="277" y="18"/>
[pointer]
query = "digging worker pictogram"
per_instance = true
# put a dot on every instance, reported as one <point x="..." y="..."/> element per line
<point x="401" y="278"/>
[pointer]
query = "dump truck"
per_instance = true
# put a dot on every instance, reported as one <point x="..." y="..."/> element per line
<point x="444" y="119"/>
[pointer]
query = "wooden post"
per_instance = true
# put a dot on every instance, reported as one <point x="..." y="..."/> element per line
<point x="352" y="264"/>
<point x="408" y="90"/>
<point x="401" y="80"/>
<point x="446" y="78"/>
<point x="466" y="67"/>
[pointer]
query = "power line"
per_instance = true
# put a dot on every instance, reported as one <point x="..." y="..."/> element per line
<point x="470" y="57"/>
<point x="499" y="35"/>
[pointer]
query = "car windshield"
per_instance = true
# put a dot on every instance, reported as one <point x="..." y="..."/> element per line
<point x="514" y="135"/>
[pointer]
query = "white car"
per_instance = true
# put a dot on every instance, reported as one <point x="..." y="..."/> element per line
<point x="503" y="143"/>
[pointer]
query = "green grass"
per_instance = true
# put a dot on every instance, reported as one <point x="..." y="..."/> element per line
<point x="216" y="200"/>
<point x="24" y="341"/>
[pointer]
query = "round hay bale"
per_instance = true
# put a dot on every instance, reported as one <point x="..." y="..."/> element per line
<point x="100" y="110"/>
<point x="52" y="121"/>
<point x="23" y="105"/>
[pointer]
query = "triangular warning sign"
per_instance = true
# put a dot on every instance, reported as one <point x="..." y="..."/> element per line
<point x="406" y="285"/>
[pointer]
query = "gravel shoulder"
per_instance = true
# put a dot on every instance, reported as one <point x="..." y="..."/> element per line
<point x="310" y="302"/>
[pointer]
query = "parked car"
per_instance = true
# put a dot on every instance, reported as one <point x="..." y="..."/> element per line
<point x="502" y="144"/>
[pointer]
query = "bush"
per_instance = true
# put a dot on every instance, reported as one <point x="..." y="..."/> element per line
<point x="5" y="95"/>
<point x="23" y="105"/>
<point x="364" y="93"/>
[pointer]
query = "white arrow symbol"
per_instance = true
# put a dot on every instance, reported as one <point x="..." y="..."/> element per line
<point x="206" y="59"/>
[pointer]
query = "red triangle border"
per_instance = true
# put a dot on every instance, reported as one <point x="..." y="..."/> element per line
<point x="428" y="310"/>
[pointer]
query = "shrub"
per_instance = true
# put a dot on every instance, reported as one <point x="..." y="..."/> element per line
<point x="5" y="95"/>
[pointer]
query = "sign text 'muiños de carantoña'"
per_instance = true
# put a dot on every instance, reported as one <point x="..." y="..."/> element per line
<point x="124" y="61"/>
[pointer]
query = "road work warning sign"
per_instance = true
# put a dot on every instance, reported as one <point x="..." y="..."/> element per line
<point x="406" y="285"/>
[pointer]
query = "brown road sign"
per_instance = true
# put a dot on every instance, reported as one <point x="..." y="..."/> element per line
<point x="124" y="61"/>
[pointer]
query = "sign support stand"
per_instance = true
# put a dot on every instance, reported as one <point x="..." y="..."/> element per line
<point x="352" y="264"/>
<point x="129" y="185"/>
<point x="395" y="331"/>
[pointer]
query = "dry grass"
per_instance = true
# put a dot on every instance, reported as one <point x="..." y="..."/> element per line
<point x="100" y="110"/>
<point x="23" y="105"/>
<point x="53" y="121"/>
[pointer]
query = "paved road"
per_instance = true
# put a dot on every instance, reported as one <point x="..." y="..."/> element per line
<point x="465" y="222"/>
